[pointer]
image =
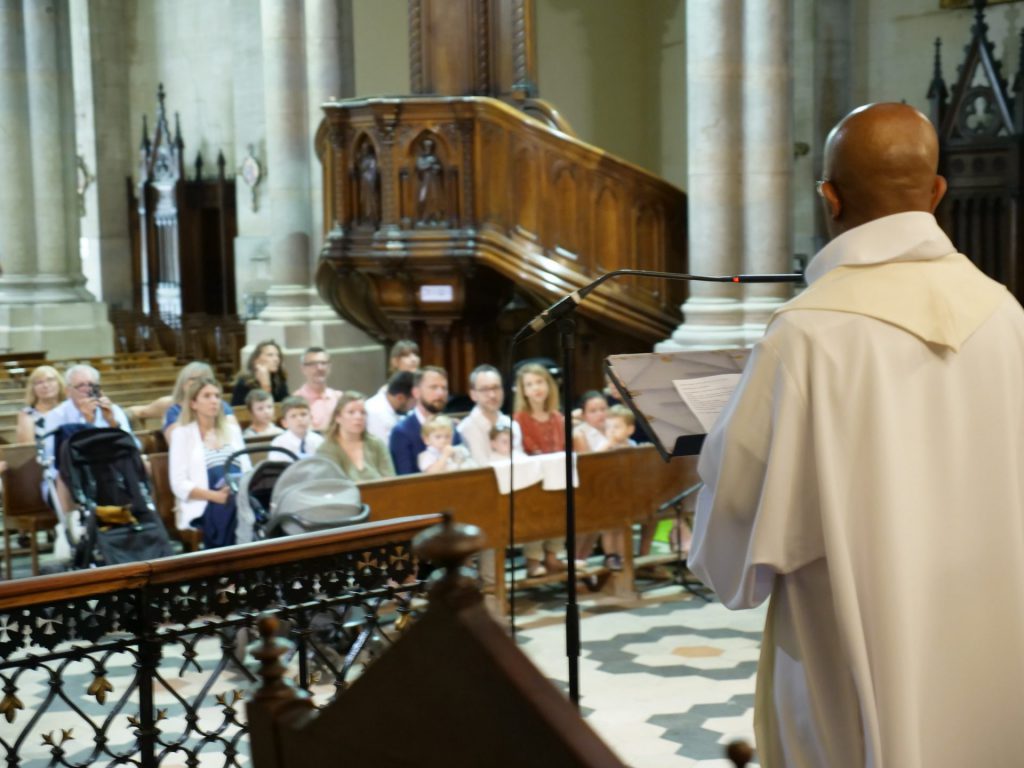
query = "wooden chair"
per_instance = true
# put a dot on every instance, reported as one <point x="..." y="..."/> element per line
<point x="25" y="511"/>
<point x="164" y="499"/>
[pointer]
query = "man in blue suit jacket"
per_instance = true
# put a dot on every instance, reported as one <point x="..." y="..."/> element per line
<point x="430" y="388"/>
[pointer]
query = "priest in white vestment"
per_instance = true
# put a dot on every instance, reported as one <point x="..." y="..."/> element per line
<point x="868" y="477"/>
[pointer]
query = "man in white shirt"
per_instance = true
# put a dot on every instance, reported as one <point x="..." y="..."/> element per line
<point x="866" y="475"/>
<point x="488" y="393"/>
<point x="393" y="401"/>
<point x="316" y="367"/>
<point x="86" y="405"/>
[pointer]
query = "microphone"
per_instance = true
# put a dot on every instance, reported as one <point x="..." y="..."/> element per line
<point x="568" y="303"/>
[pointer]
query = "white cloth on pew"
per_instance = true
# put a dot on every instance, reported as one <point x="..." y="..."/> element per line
<point x="548" y="469"/>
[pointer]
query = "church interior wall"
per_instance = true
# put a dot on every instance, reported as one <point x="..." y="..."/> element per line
<point x="381" y="42"/>
<point x="895" y="45"/>
<point x="617" y="72"/>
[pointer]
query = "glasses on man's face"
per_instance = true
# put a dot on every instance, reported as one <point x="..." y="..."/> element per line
<point x="316" y="363"/>
<point x="85" y="386"/>
<point x="486" y="390"/>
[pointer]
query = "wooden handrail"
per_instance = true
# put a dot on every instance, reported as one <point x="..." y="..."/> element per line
<point x="41" y="590"/>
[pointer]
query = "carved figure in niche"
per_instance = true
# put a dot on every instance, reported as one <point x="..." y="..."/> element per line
<point x="369" y="186"/>
<point x="430" y="208"/>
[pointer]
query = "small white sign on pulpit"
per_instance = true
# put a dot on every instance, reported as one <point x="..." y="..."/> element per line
<point x="437" y="294"/>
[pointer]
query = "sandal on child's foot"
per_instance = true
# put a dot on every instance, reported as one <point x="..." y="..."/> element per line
<point x="613" y="562"/>
<point x="535" y="569"/>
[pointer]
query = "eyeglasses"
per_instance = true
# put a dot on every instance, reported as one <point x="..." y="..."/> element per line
<point x="85" y="386"/>
<point x="311" y="363"/>
<point x="495" y="388"/>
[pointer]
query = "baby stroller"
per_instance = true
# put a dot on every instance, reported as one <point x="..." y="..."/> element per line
<point x="313" y="495"/>
<point x="104" y="472"/>
<point x="281" y="498"/>
<point x="253" y="491"/>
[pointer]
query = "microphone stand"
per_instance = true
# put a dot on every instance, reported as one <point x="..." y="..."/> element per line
<point x="561" y="311"/>
<point x="567" y="336"/>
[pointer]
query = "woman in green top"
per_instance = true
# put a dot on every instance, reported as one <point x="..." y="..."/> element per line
<point x="361" y="455"/>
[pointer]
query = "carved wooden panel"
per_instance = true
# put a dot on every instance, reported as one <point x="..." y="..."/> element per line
<point x="481" y="206"/>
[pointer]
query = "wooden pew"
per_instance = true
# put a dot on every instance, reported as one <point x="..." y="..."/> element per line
<point x="24" y="509"/>
<point x="163" y="497"/>
<point x="616" y="489"/>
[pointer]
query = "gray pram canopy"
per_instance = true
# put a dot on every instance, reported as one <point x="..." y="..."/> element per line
<point x="312" y="494"/>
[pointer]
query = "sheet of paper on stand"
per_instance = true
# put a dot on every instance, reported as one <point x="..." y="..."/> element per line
<point x="706" y="396"/>
<point x="650" y="386"/>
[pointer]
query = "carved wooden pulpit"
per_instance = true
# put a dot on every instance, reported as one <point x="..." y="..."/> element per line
<point x="454" y="215"/>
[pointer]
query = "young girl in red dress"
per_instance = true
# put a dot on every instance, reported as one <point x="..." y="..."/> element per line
<point x="536" y="412"/>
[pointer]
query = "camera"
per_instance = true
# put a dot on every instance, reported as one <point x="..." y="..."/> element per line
<point x="95" y="391"/>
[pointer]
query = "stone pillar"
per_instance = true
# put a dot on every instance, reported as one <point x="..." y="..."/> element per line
<point x="17" y="215"/>
<point x="307" y="58"/>
<point x="43" y="305"/>
<point x="47" y="58"/>
<point x="330" y="74"/>
<point x="767" y="158"/>
<point x="284" y="98"/>
<point x="739" y="150"/>
<point x="713" y="313"/>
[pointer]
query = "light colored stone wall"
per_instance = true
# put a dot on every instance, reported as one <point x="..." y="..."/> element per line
<point x="893" y="51"/>
<point x="381" y="36"/>
<point x="617" y="72"/>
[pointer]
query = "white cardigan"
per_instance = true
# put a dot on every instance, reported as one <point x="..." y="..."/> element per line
<point x="187" y="468"/>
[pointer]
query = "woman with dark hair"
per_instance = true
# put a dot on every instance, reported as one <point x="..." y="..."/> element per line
<point x="361" y="456"/>
<point x="262" y="371"/>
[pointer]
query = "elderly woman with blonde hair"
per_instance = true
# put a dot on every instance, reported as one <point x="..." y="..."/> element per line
<point x="44" y="391"/>
<point x="168" y="407"/>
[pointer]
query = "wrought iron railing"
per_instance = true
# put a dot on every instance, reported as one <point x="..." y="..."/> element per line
<point x="144" y="664"/>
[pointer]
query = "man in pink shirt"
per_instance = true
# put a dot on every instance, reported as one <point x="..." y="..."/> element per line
<point x="316" y="367"/>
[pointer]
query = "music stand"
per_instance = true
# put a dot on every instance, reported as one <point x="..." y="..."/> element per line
<point x="646" y="385"/>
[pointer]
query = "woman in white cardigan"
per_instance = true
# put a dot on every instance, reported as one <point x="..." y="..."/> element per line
<point x="198" y="450"/>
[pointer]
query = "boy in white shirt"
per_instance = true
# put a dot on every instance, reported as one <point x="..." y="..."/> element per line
<point x="297" y="437"/>
<point x="261" y="407"/>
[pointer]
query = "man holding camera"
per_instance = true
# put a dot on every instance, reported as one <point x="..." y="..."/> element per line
<point x="86" y="403"/>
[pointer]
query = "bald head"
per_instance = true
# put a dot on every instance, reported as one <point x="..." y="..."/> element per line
<point x="879" y="160"/>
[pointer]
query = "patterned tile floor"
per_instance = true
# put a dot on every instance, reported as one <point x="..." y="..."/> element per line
<point x="666" y="680"/>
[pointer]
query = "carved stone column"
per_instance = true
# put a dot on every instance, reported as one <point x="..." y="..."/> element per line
<point x="767" y="157"/>
<point x="713" y="314"/>
<point x="17" y="217"/>
<point x="284" y="96"/>
<point x="42" y="302"/>
<point x="739" y="151"/>
<point x="50" y="106"/>
<point x="307" y="59"/>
